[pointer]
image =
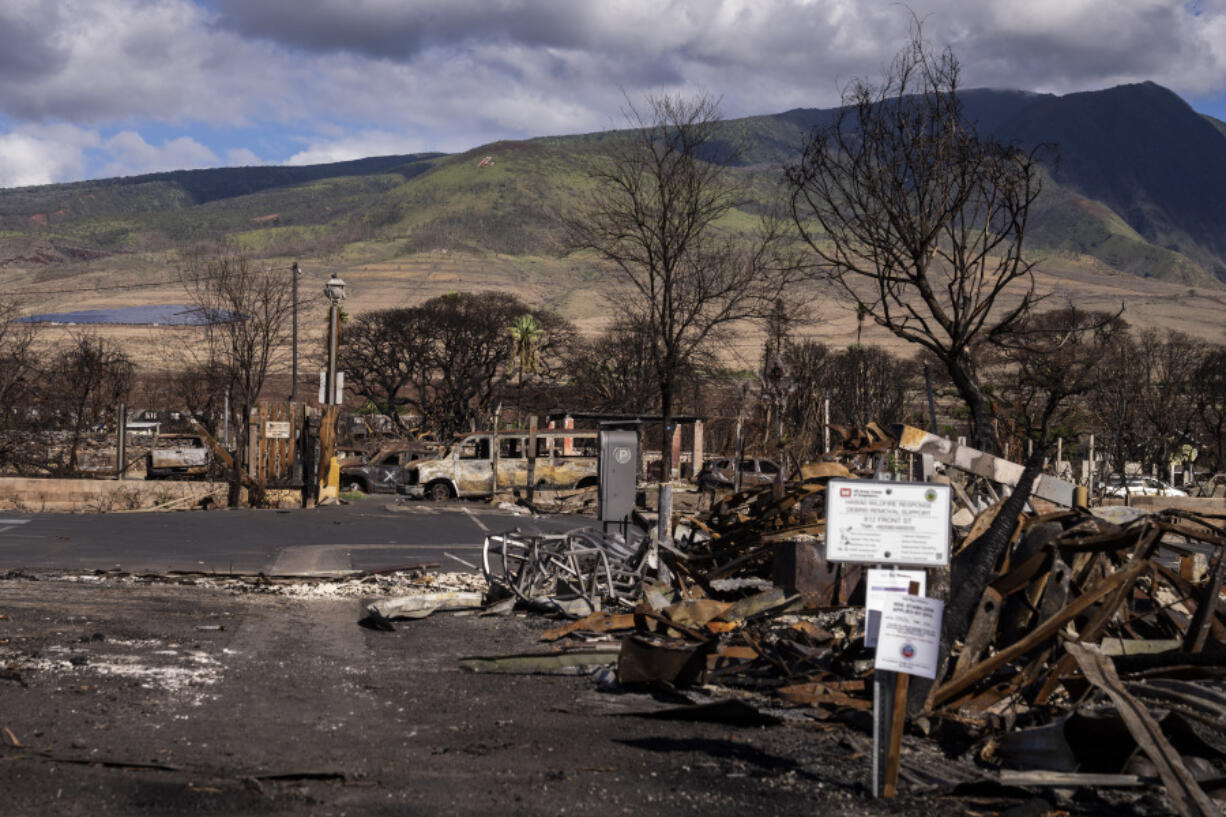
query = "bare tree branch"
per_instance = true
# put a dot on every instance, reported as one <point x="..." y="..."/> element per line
<point x="918" y="217"/>
<point x="656" y="214"/>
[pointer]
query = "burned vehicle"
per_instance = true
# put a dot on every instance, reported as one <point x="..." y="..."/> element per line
<point x="720" y="473"/>
<point x="384" y="471"/>
<point x="483" y="463"/>
<point x="177" y="455"/>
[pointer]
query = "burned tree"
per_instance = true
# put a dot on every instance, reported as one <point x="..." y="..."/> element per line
<point x="244" y="311"/>
<point x="82" y="386"/>
<point x="655" y="215"/>
<point x="1209" y="395"/>
<point x="18" y="379"/>
<point x="615" y="371"/>
<point x="447" y="359"/>
<point x="918" y="218"/>
<point x="381" y="354"/>
<point x="1052" y="360"/>
<point x="1165" y="393"/>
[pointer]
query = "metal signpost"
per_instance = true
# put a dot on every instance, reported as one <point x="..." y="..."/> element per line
<point x="892" y="525"/>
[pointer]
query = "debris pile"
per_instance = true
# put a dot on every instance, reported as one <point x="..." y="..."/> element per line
<point x="416" y="580"/>
<point x="1095" y="657"/>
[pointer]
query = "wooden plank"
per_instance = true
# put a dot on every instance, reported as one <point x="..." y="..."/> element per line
<point x="1038" y="635"/>
<point x="1098" y="624"/>
<point x="224" y="455"/>
<point x="1070" y="780"/>
<point x="1206" y="609"/>
<point x="972" y="460"/>
<point x="893" y="754"/>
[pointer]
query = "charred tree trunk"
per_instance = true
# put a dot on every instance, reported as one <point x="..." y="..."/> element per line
<point x="972" y="394"/>
<point x="666" y="428"/>
<point x="971" y="571"/>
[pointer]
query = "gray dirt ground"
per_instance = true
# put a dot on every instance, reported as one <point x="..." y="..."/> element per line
<point x="127" y="699"/>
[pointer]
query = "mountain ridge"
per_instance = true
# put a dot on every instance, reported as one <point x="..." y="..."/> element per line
<point x="1136" y="186"/>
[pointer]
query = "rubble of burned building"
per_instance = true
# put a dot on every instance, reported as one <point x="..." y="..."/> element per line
<point x="1093" y="661"/>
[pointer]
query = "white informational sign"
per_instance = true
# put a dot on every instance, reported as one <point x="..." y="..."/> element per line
<point x="910" y="637"/>
<point x="276" y="430"/>
<point x="903" y="523"/>
<point x="879" y="588"/>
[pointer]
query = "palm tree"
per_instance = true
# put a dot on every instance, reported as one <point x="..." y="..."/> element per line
<point x="526" y="333"/>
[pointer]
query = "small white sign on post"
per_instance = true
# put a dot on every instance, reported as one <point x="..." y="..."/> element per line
<point x="276" y="430"/>
<point x="882" y="585"/>
<point x="910" y="636"/>
<point x="876" y="522"/>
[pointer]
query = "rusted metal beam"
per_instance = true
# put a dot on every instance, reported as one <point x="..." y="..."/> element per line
<point x="974" y="461"/>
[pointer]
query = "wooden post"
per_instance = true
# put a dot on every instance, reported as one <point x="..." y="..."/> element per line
<point x="697" y="456"/>
<point x="494" y="457"/>
<point x="736" y="463"/>
<point x="894" y="749"/>
<point x="664" y="523"/>
<point x="1093" y="470"/>
<point x="825" y="426"/>
<point x="121" y="439"/>
<point x="675" y="446"/>
<point x="532" y="459"/>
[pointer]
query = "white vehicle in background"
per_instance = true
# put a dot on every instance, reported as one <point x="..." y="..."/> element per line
<point x="1140" y="486"/>
<point x="482" y="463"/>
<point x="177" y="455"/>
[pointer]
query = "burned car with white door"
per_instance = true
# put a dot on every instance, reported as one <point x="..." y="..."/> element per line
<point x="482" y="463"/>
<point x="384" y="471"/>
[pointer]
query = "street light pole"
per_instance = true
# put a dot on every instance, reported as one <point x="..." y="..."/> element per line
<point x="293" y="388"/>
<point x="335" y="290"/>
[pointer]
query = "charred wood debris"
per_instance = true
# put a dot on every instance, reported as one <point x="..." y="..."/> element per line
<point x="1095" y="659"/>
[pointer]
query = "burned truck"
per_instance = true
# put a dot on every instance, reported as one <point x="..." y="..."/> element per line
<point x="482" y="463"/>
<point x="177" y="455"/>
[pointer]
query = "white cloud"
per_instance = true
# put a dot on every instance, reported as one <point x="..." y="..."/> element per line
<point x="43" y="154"/>
<point x="131" y="155"/>
<point x="347" y="76"/>
<point x="356" y="146"/>
<point x="241" y="157"/>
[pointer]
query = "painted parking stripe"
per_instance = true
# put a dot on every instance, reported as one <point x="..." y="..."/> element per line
<point x="477" y="521"/>
<point x="9" y="524"/>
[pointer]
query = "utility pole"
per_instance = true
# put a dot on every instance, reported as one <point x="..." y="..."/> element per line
<point x="293" y="388"/>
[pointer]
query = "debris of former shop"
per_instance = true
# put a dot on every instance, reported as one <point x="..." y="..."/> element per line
<point x="1094" y="660"/>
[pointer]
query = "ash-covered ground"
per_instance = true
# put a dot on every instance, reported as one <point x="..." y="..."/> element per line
<point x="120" y="696"/>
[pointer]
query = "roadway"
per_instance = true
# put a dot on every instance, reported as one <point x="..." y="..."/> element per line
<point x="368" y="534"/>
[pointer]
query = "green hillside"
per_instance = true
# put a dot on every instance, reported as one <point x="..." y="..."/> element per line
<point x="1137" y="186"/>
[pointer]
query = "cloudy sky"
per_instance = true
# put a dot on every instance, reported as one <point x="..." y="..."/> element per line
<point x="94" y="88"/>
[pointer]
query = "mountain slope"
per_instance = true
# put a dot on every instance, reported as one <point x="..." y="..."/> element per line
<point x="1137" y="185"/>
<point x="1144" y="153"/>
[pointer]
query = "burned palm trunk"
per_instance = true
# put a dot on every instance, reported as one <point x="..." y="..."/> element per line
<point x="973" y="566"/>
<point x="971" y="573"/>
